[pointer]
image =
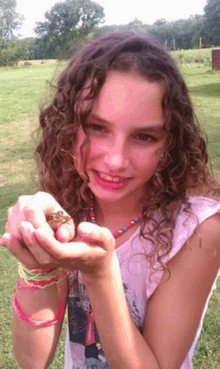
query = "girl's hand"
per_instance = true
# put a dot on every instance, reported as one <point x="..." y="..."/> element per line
<point x="33" y="209"/>
<point x="90" y="252"/>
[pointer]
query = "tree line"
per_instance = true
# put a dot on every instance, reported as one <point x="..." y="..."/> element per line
<point x="70" y="23"/>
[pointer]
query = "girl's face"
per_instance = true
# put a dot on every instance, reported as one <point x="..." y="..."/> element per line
<point x="127" y="136"/>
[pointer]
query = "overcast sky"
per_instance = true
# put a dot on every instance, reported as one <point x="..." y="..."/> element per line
<point x="116" y="11"/>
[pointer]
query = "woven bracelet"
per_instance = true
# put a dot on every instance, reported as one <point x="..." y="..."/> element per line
<point x="37" y="274"/>
<point x="60" y="274"/>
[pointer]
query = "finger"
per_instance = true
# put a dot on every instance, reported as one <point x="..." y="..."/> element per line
<point x="41" y="205"/>
<point x="9" y="213"/>
<point x="72" y="250"/>
<point x="101" y="235"/>
<point x="21" y="253"/>
<point x="4" y="239"/>
<point x="7" y="227"/>
<point x="39" y="253"/>
<point x="26" y="208"/>
<point x="65" y="232"/>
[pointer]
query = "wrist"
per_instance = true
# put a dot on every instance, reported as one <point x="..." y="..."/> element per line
<point x="103" y="273"/>
<point x="40" y="278"/>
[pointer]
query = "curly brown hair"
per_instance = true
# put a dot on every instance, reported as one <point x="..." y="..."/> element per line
<point x="182" y="170"/>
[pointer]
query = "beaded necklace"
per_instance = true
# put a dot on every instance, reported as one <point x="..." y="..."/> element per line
<point x="123" y="228"/>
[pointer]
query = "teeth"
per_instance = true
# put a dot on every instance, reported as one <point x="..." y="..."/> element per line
<point x="109" y="178"/>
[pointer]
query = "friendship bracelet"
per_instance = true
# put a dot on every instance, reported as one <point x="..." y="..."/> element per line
<point x="36" y="275"/>
<point x="36" y="323"/>
<point x="43" y="284"/>
<point x="33" y="285"/>
<point x="24" y="288"/>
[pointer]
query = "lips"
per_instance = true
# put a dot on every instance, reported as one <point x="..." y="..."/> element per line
<point x="106" y="184"/>
<point x="110" y="178"/>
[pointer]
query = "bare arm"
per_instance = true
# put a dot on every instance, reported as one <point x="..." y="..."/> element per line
<point x="123" y="344"/>
<point x="173" y="312"/>
<point x="35" y="347"/>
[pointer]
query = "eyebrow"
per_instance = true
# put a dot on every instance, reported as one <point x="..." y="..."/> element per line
<point x="154" y="128"/>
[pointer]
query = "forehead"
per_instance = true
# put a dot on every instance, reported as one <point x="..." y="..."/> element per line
<point x="126" y="95"/>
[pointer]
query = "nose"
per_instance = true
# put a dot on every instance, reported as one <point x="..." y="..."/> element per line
<point x="116" y="155"/>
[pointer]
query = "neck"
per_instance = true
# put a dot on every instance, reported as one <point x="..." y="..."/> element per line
<point x="112" y="215"/>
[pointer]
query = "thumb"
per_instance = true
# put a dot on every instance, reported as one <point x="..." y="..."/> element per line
<point x="96" y="234"/>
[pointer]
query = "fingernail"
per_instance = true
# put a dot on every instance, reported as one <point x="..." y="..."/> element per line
<point x="26" y="227"/>
<point x="62" y="235"/>
<point x="6" y="236"/>
<point x="65" y="233"/>
<point x="5" y="239"/>
<point x="86" y="228"/>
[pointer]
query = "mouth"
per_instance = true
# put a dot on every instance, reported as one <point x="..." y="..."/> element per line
<point x="110" y="182"/>
<point x="109" y="178"/>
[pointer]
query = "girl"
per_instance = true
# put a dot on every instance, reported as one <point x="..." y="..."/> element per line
<point x="115" y="230"/>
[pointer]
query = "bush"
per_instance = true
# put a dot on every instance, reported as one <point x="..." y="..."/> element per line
<point x="11" y="52"/>
<point x="27" y="64"/>
<point x="180" y="57"/>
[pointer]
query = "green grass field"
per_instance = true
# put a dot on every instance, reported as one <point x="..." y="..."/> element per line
<point x="20" y="92"/>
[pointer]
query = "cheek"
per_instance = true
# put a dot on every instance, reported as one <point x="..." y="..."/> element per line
<point x="147" y="162"/>
<point x="97" y="149"/>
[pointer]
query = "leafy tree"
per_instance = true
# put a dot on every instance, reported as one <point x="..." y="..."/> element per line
<point x="12" y="51"/>
<point x="10" y="20"/>
<point x="67" y="23"/>
<point x="160" y="22"/>
<point x="135" y="25"/>
<point x="181" y="30"/>
<point x="211" y="28"/>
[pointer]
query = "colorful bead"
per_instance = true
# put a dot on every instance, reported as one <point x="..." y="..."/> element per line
<point x="124" y="227"/>
<point x="136" y="219"/>
<point x="116" y="234"/>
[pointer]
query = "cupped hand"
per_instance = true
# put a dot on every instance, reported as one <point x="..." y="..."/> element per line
<point x="89" y="252"/>
<point x="35" y="209"/>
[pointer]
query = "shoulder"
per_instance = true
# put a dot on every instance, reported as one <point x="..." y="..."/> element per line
<point x="209" y="232"/>
<point x="203" y="245"/>
<point x="200" y="208"/>
<point x="204" y="212"/>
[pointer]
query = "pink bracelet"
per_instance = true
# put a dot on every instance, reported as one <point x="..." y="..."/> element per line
<point x="25" y="288"/>
<point x="36" y="323"/>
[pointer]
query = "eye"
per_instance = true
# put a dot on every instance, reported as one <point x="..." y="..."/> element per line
<point x="144" y="137"/>
<point x="96" y="128"/>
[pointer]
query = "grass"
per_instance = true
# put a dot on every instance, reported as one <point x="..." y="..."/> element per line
<point x="193" y="56"/>
<point x="204" y="88"/>
<point x="20" y="92"/>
